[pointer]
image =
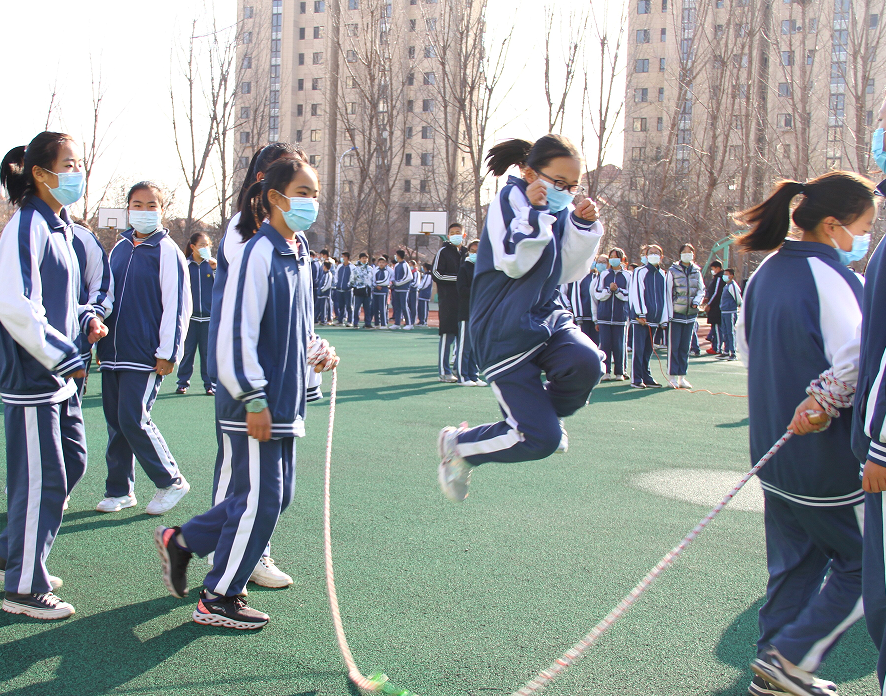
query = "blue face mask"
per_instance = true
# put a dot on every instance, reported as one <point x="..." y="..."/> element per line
<point x="860" y="246"/>
<point x="601" y="267"/>
<point x="144" y="221"/>
<point x="302" y="213"/>
<point x="71" y="187"/>
<point x="204" y="253"/>
<point x="557" y="200"/>
<point x="472" y="257"/>
<point x="643" y="260"/>
<point x="615" y="263"/>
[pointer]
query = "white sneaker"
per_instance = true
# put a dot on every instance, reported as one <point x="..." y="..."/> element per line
<point x="267" y="574"/>
<point x="467" y="383"/>
<point x="117" y="504"/>
<point x="67" y="499"/>
<point x="449" y="379"/>
<point x="563" y="447"/>
<point x="454" y="473"/>
<point x="408" y="327"/>
<point x="167" y="498"/>
<point x="480" y="383"/>
<point x="674" y="381"/>
<point x="684" y="383"/>
<point x="607" y="378"/>
<point x="393" y="326"/>
<point x="54" y="582"/>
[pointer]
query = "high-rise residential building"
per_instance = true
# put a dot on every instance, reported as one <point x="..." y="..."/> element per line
<point x="725" y="97"/>
<point x="369" y="89"/>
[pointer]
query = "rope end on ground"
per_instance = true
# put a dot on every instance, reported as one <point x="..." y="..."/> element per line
<point x="378" y="684"/>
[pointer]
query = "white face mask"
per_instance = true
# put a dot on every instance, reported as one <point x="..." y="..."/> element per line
<point x="687" y="257"/>
<point x="654" y="259"/>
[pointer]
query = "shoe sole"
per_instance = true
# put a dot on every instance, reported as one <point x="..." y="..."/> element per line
<point x="149" y="511"/>
<point x="225" y="622"/>
<point x="270" y="583"/>
<point x="118" y="508"/>
<point x="42" y="614"/>
<point x="775" y="676"/>
<point x="166" y="563"/>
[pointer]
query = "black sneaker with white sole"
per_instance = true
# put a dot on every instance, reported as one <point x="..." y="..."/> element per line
<point x="175" y="561"/>
<point x="774" y="669"/>
<point x="44" y="606"/>
<point x="228" y="612"/>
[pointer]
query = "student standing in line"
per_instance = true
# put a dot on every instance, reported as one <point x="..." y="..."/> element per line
<point x="711" y="306"/>
<point x="445" y="271"/>
<point x="201" y="271"/>
<point x="468" y="372"/>
<point x="533" y="240"/>
<point x="344" y="295"/>
<point x="151" y="298"/>
<point x="40" y="325"/>
<point x="265" y="347"/>
<point x="400" y="284"/>
<point x="380" y="283"/>
<point x="650" y="309"/>
<point x="324" y="294"/>
<point x="425" y="292"/>
<point x="611" y="292"/>
<point x="413" y="291"/>
<point x="361" y="281"/>
<point x="95" y="280"/>
<point x="798" y="334"/>
<point x="730" y="301"/>
<point x="686" y="290"/>
<point x="579" y="298"/>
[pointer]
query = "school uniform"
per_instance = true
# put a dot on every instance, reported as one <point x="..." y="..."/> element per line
<point x="425" y="292"/>
<point x="580" y="300"/>
<point x="465" y="364"/>
<point x="712" y="294"/>
<point x="400" y="284"/>
<point x="316" y="272"/>
<point x="41" y="320"/>
<point x="344" y="296"/>
<point x="151" y="297"/>
<point x="95" y="280"/>
<point x="261" y="353"/>
<point x="649" y="299"/>
<point x="412" y="300"/>
<point x="612" y="317"/>
<point x="686" y="289"/>
<point x="324" y="297"/>
<point x="445" y="272"/>
<point x="730" y="301"/>
<point x="519" y="331"/>
<point x="202" y="278"/>
<point x="381" y="281"/>
<point x="361" y="283"/>
<point x="800" y="317"/>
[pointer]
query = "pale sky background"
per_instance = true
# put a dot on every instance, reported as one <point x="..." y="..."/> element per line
<point x="131" y="45"/>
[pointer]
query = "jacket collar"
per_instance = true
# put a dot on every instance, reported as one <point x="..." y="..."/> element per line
<point x="792" y="246"/>
<point x="281" y="246"/>
<point x="57" y="223"/>
<point x="152" y="239"/>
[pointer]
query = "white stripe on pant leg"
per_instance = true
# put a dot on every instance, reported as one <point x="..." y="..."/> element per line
<point x="162" y="453"/>
<point x="224" y="474"/>
<point x="35" y="493"/>
<point x="440" y="358"/>
<point x="670" y="348"/>
<point x="459" y="349"/>
<point x="247" y="520"/>
<point x="495" y="444"/>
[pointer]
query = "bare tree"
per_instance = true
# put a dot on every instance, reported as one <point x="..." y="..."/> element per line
<point x="95" y="143"/>
<point x="570" y="34"/>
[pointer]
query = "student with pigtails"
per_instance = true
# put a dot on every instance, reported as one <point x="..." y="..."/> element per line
<point x="798" y="334"/>
<point x="265" y="349"/>
<point x="534" y="240"/>
<point x="201" y="269"/>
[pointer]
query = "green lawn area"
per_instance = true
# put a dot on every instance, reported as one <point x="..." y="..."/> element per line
<point x="470" y="599"/>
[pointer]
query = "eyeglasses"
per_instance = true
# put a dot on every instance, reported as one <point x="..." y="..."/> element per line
<point x="560" y="185"/>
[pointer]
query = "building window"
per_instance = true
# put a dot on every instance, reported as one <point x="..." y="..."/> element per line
<point x="315" y="136"/>
<point x="642" y="36"/>
<point x="431" y="24"/>
<point x="430" y="52"/>
<point x="810" y="57"/>
<point x="246" y="88"/>
<point x="430" y="78"/>
<point x="302" y="8"/>
<point x="301" y="58"/>
<point x="300" y="110"/>
<point x="411" y="52"/>
<point x="661" y="94"/>
<point x="410" y="106"/>
<point x="784" y="89"/>
<point x="869" y="118"/>
<point x="412" y="24"/>
<point x="659" y="123"/>
<point x="427" y="159"/>
<point x="874" y="21"/>
<point x="247" y="62"/>
<point x="427" y="133"/>
<point x="316" y="83"/>
<point x="351" y="82"/>
<point x="812" y="26"/>
<point x="638" y="154"/>
<point x="870" y="88"/>
<point x="661" y="65"/>
<point x="275" y="71"/>
<point x="247" y="37"/>
<point x="427" y="105"/>
<point x="664" y="5"/>
<point x="641" y="94"/>
<point x="247" y="13"/>
<point x="351" y="55"/>
<point x="407" y="185"/>
<point x="319" y="6"/>
<point x="785" y="121"/>
<point x="242" y="162"/>
<point x="409" y="159"/>
<point x="741" y="31"/>
<point x="315" y="109"/>
<point x="301" y="85"/>
<point x="410" y="79"/>
<point x="639" y="125"/>
<point x="352" y="108"/>
<point x="314" y="160"/>
<point x="787" y="58"/>
<point x="318" y="32"/>
<point x="245" y="112"/>
<point x="740" y="60"/>
<point x="424" y="185"/>
<point x="353" y="29"/>
<point x="301" y="33"/>
<point x="664" y="35"/>
<point x="298" y="136"/>
<point x="408" y="136"/>
<point x="353" y="4"/>
<point x="318" y="58"/>
<point x="245" y="137"/>
<point x="644" y="6"/>
<point x="719" y="30"/>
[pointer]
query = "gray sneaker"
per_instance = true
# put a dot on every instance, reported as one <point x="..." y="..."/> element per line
<point x="454" y="473"/>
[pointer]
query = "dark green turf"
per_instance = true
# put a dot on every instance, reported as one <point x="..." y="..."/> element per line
<point x="468" y="599"/>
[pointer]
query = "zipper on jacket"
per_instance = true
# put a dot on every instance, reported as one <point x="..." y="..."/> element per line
<point x="119" y="303"/>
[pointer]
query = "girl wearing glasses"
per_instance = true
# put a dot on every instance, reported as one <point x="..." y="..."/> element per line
<point x="534" y="240"/>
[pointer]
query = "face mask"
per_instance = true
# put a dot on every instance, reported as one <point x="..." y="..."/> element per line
<point x="644" y="260"/>
<point x="71" y="187"/>
<point x="302" y="213"/>
<point x="860" y="246"/>
<point x="615" y="263"/>
<point x="654" y="259"/>
<point x="728" y="279"/>
<point x="144" y="221"/>
<point x="687" y="258"/>
<point x="601" y="267"/>
<point x="557" y="200"/>
<point x="204" y="253"/>
<point x="472" y="257"/>
<point x="456" y="239"/>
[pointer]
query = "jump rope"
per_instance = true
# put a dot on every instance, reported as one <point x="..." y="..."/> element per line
<point x="378" y="682"/>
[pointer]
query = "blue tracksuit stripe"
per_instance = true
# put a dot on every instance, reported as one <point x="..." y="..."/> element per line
<point x="245" y="386"/>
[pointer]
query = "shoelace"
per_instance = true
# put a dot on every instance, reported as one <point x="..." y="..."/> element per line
<point x="48" y="598"/>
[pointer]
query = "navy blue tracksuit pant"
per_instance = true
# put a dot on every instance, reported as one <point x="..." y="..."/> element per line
<point x="197" y="339"/>
<point x="612" y="342"/>
<point x="679" y="340"/>
<point x="444" y="357"/>
<point x="642" y="354"/>
<point x="45" y="458"/>
<point x="423" y="310"/>
<point x="344" y="306"/>
<point x="465" y="365"/>
<point x="127" y="398"/>
<point x="401" y="307"/>
<point x="531" y="408"/>
<point x="412" y="303"/>
<point x="380" y="308"/>
<point x="727" y="331"/>
<point x="238" y="527"/>
<point x="874" y="579"/>
<point x="364" y="301"/>
<point x="805" y="544"/>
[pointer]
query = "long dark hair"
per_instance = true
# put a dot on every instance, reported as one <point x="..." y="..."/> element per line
<point x="509" y="153"/>
<point x="256" y="206"/>
<point x="16" y="169"/>
<point x="842" y="195"/>
<point x="263" y="159"/>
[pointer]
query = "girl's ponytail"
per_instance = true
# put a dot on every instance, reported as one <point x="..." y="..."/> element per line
<point x="507" y="154"/>
<point x="536" y="155"/>
<point x="770" y="221"/>
<point x="252" y="212"/>
<point x="263" y="159"/>
<point x="16" y="168"/>
<point x="12" y="174"/>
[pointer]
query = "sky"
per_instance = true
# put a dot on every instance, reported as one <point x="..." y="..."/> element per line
<point x="132" y="46"/>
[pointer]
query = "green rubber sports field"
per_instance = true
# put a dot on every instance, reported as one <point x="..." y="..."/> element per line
<point x="447" y="599"/>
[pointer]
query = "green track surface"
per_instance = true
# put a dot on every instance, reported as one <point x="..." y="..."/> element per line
<point x="470" y="599"/>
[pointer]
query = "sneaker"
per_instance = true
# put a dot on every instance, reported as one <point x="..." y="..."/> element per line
<point x="652" y="384"/>
<point x="267" y="574"/>
<point x="731" y="357"/>
<point x="449" y="379"/>
<point x="638" y="385"/>
<point x="167" y="498"/>
<point x="624" y="378"/>
<point x="393" y="326"/>
<point x="408" y="327"/>
<point x="175" y="561"/>
<point x="773" y="668"/>
<point x="695" y="353"/>
<point x="722" y="356"/>
<point x="454" y="473"/>
<point x="606" y="378"/>
<point x="466" y="383"/>
<point x="210" y="392"/>
<point x="181" y="390"/>
<point x="480" y="383"/>
<point x="54" y="582"/>
<point x="44" y="606"/>
<point x="229" y="612"/>
<point x="117" y="504"/>
<point x="563" y="447"/>
<point x="67" y="500"/>
<point x="711" y="351"/>
<point x="674" y="381"/>
<point x="684" y="383"/>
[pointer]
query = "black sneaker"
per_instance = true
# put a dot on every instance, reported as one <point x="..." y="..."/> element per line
<point x="175" y="561"/>
<point x="651" y="385"/>
<point x="210" y="392"/>
<point x="44" y="606"/>
<point x="229" y="612"/>
<point x="774" y="669"/>
<point x="761" y="687"/>
<point x="638" y="385"/>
